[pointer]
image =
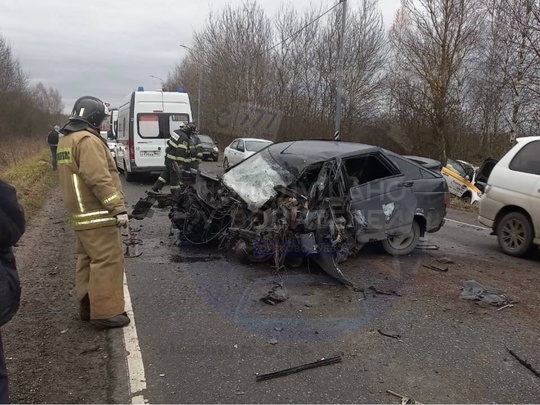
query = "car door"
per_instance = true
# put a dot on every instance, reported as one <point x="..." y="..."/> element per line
<point x="525" y="185"/>
<point x="384" y="205"/>
<point x="230" y="152"/>
<point x="455" y="177"/>
<point x="240" y="151"/>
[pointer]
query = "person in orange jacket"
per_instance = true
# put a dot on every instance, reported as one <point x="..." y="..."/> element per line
<point x="94" y="200"/>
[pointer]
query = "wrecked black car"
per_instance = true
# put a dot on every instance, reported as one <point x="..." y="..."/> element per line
<point x="320" y="199"/>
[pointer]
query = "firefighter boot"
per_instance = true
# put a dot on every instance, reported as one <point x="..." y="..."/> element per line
<point x="84" y="308"/>
<point x="117" y="321"/>
<point x="158" y="185"/>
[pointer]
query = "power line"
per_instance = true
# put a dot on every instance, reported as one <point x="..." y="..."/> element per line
<point x="303" y="28"/>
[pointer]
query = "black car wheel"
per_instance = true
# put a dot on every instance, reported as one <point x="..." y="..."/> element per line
<point x="515" y="234"/>
<point x="403" y="244"/>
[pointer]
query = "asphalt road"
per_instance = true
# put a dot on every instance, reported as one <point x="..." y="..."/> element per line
<point x="204" y="333"/>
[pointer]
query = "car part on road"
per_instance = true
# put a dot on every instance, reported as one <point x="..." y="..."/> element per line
<point x="404" y="400"/>
<point x="506" y="306"/>
<point x="473" y="290"/>
<point x="319" y="363"/>
<point x="389" y="333"/>
<point x="524" y="362"/>
<point x="436" y="268"/>
<point x="276" y="295"/>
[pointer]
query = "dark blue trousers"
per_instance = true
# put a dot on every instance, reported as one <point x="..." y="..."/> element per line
<point x="4" y="395"/>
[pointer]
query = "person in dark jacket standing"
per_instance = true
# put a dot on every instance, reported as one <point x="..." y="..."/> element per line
<point x="185" y="149"/>
<point x="12" y="226"/>
<point x="52" y="140"/>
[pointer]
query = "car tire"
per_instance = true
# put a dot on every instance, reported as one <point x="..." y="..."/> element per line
<point x="515" y="234"/>
<point x="466" y="198"/>
<point x="225" y="163"/>
<point x="405" y="244"/>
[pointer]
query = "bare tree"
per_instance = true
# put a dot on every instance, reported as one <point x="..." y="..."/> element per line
<point x="431" y="40"/>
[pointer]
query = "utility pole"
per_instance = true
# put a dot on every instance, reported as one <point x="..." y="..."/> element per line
<point x="199" y="112"/>
<point x="340" y="74"/>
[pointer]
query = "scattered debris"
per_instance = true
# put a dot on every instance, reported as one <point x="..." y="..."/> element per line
<point x="90" y="350"/>
<point x="525" y="363"/>
<point x="278" y="328"/>
<point x="426" y="244"/>
<point x="276" y="295"/>
<point x="162" y="375"/>
<point x="388" y="292"/>
<point x="235" y="346"/>
<point x="389" y="333"/>
<point x="297" y="369"/>
<point x="240" y="393"/>
<point x="404" y="399"/>
<point x="445" y="260"/>
<point x="473" y="290"/>
<point x="506" y="306"/>
<point x="273" y="341"/>
<point x="436" y="268"/>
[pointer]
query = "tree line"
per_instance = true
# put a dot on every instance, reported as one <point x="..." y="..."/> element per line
<point x="449" y="78"/>
<point x="27" y="111"/>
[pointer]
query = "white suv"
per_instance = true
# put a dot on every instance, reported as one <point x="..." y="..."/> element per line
<point x="511" y="202"/>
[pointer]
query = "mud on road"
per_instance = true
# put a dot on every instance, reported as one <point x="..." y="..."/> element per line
<point x="449" y="350"/>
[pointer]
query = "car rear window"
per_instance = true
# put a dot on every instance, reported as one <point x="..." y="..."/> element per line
<point x="255" y="146"/>
<point x="411" y="170"/>
<point x="527" y="160"/>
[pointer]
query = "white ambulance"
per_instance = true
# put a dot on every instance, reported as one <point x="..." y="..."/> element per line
<point x="145" y="121"/>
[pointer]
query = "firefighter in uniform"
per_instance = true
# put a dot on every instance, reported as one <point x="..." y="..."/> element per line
<point x="95" y="204"/>
<point x="185" y="149"/>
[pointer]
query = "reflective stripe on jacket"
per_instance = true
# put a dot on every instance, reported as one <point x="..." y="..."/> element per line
<point x="89" y="179"/>
<point x="184" y="149"/>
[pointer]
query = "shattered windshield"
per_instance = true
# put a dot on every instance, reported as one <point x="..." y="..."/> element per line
<point x="255" y="178"/>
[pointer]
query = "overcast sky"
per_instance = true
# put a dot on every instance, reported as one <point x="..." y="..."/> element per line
<point x="107" y="48"/>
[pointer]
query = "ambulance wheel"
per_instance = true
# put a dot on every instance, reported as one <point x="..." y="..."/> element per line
<point x="130" y="176"/>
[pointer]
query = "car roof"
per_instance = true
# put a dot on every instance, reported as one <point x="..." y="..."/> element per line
<point x="528" y="139"/>
<point x="252" y="139"/>
<point x="301" y="154"/>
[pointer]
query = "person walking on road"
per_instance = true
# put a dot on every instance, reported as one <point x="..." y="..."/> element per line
<point x="12" y="227"/>
<point x="94" y="200"/>
<point x="52" y="140"/>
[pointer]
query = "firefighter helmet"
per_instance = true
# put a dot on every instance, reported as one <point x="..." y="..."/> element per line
<point x="190" y="128"/>
<point x="90" y="110"/>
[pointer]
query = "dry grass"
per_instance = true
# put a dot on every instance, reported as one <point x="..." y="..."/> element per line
<point x="459" y="205"/>
<point x="34" y="179"/>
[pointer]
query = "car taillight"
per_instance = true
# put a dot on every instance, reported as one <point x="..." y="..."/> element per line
<point x="131" y="148"/>
<point x="447" y="199"/>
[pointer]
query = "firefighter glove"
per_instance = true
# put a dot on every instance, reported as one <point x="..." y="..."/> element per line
<point x="122" y="220"/>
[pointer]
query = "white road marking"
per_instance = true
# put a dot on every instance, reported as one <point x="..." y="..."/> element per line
<point x="137" y="379"/>
<point x="466" y="224"/>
